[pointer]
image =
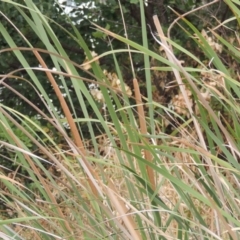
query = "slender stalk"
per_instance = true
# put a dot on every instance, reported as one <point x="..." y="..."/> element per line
<point x="143" y="129"/>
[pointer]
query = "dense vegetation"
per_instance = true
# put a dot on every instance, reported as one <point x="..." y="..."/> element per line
<point x="119" y="120"/>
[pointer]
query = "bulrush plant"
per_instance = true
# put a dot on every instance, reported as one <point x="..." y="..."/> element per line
<point x="148" y="170"/>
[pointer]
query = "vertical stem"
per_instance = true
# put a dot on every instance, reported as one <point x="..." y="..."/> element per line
<point x="143" y="129"/>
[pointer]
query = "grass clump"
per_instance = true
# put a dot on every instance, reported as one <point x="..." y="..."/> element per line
<point x="145" y="169"/>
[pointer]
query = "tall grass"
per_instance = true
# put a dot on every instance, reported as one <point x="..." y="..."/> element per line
<point x="135" y="180"/>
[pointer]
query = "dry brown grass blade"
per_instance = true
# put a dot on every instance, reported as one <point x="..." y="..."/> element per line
<point x="11" y="180"/>
<point x="44" y="116"/>
<point x="143" y="129"/>
<point x="173" y="59"/>
<point x="45" y="151"/>
<point x="194" y="87"/>
<point x="122" y="211"/>
<point x="74" y="130"/>
<point x="37" y="173"/>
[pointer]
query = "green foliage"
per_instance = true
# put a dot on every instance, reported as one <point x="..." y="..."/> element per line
<point x="105" y="15"/>
<point x="102" y="188"/>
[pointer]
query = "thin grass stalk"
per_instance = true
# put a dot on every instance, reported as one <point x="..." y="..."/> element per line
<point x="76" y="136"/>
<point x="187" y="101"/>
<point x="126" y="34"/>
<point x="200" y="134"/>
<point x="168" y="49"/>
<point x="36" y="171"/>
<point x="67" y="113"/>
<point x="44" y="150"/>
<point x="122" y="211"/>
<point x="147" y="65"/>
<point x="187" y="13"/>
<point x="143" y="130"/>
